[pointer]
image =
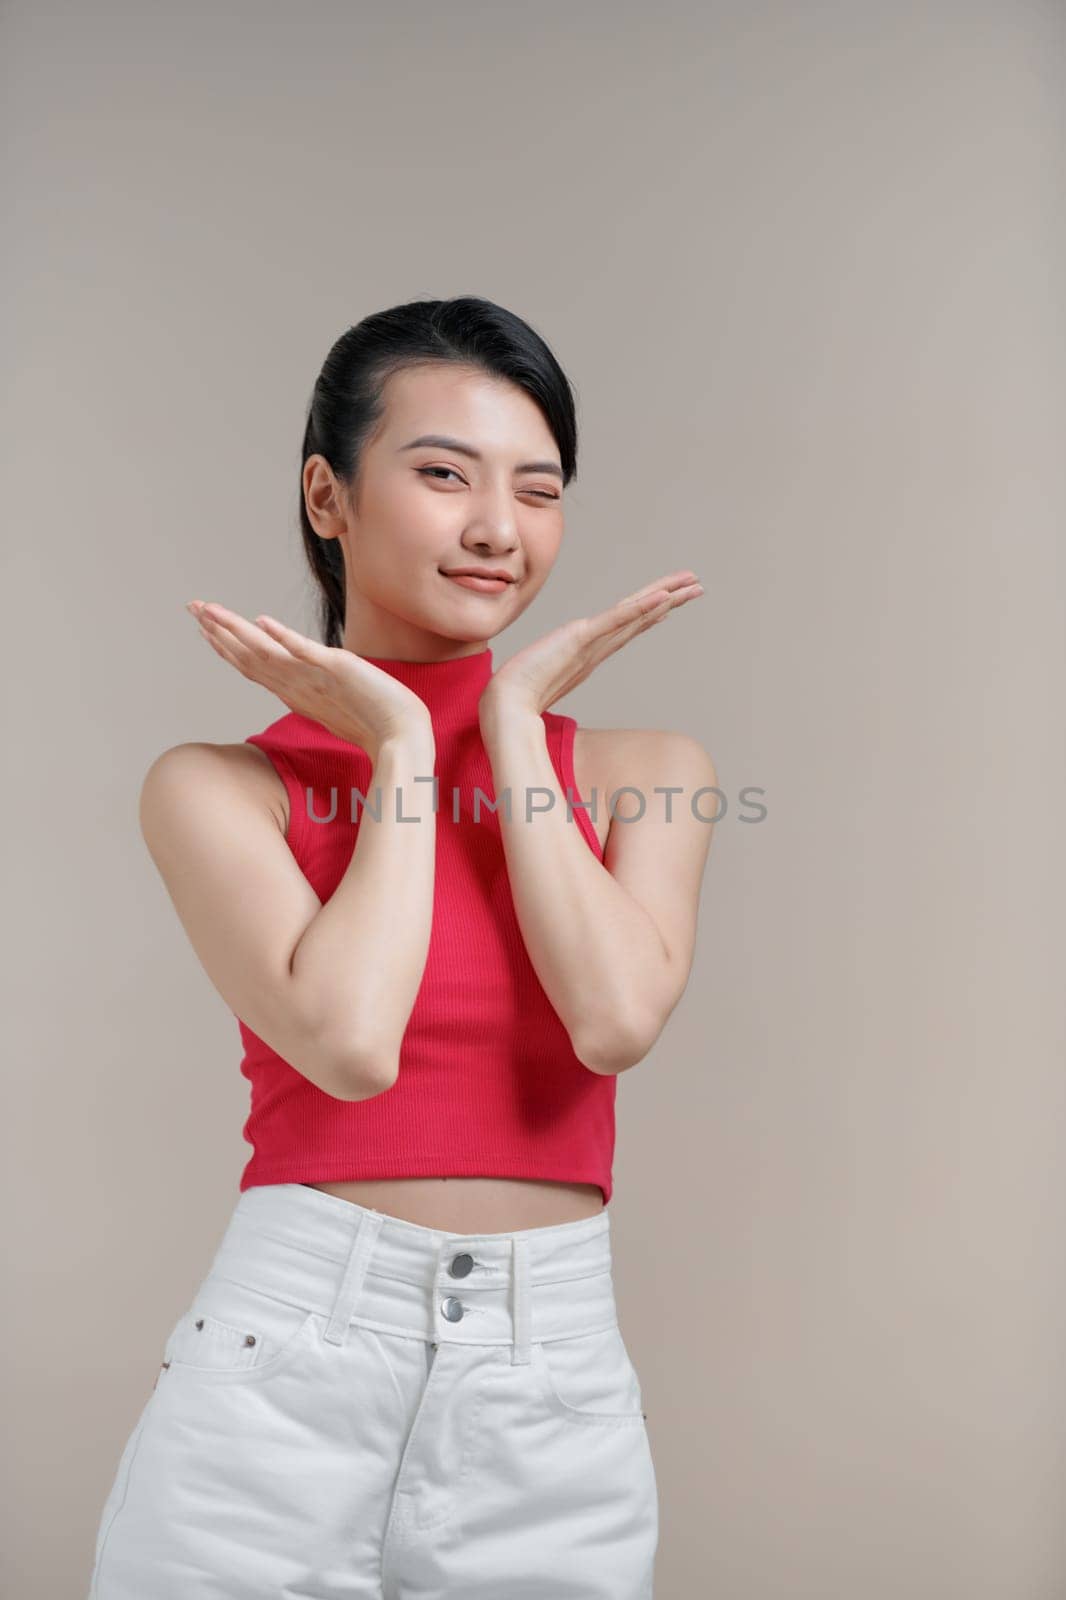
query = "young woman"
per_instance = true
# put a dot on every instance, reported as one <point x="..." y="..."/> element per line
<point x="403" y="1373"/>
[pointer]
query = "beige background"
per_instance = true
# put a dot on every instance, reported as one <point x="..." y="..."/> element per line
<point x="804" y="267"/>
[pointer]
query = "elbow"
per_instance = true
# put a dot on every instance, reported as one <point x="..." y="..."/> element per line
<point x="356" y="1071"/>
<point x="363" y="1073"/>
<point x="610" y="1048"/>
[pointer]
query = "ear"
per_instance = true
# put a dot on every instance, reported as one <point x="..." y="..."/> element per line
<point x="322" y="498"/>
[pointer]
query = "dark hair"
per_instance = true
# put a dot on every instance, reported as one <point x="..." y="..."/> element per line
<point x="348" y="400"/>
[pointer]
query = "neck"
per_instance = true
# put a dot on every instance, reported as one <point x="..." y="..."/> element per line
<point x="450" y="689"/>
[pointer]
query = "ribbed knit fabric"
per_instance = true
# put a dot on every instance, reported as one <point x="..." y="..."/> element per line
<point x="488" y="1085"/>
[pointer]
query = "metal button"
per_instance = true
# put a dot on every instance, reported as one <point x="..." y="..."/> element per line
<point x="452" y="1309"/>
<point x="249" y="1338"/>
<point x="461" y="1265"/>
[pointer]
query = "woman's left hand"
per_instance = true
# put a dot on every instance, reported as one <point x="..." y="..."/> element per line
<point x="547" y="669"/>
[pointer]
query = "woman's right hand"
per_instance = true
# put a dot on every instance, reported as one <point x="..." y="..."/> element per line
<point x="346" y="694"/>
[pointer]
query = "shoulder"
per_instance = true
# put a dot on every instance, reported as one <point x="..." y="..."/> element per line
<point x="642" y="759"/>
<point x="609" y="758"/>
<point x="197" y="773"/>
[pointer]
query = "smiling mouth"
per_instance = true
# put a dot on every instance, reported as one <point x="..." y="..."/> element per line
<point x="479" y="581"/>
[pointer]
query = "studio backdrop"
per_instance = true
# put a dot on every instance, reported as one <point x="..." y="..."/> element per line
<point x="804" y="267"/>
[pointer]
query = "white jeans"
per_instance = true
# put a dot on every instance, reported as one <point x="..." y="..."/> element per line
<point x="355" y="1407"/>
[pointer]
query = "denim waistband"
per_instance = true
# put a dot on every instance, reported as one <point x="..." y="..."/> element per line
<point x="356" y="1265"/>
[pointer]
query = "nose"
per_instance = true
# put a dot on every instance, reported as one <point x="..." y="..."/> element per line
<point x="496" y="536"/>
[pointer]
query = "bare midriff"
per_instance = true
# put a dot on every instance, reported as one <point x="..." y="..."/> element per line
<point x="473" y="1205"/>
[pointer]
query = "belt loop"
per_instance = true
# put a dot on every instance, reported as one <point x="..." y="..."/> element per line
<point x="364" y="1238"/>
<point x="521" y="1306"/>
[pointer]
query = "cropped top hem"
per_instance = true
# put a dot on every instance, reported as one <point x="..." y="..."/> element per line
<point x="260" y="1172"/>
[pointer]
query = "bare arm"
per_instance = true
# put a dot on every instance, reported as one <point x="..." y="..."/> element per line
<point x="612" y="943"/>
<point x="329" y="987"/>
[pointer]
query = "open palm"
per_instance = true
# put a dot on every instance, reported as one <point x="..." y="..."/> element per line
<point x="542" y="672"/>
<point x="336" y="687"/>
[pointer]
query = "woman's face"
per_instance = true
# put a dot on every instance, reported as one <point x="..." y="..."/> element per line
<point x="422" y="510"/>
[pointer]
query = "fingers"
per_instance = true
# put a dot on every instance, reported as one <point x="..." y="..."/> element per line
<point x="622" y="622"/>
<point x="228" y="634"/>
<point x="262" y="643"/>
<point x="672" y="584"/>
<point x="670" y="581"/>
<point x="244" y="646"/>
<point x="651" y="601"/>
<point x="296" y="643"/>
<point x="244" y="632"/>
<point x="653" y="609"/>
<point x="216" y="638"/>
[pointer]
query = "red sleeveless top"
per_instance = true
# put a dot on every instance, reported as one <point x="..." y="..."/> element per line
<point x="488" y="1085"/>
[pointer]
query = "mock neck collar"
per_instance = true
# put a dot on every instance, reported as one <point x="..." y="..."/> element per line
<point x="450" y="689"/>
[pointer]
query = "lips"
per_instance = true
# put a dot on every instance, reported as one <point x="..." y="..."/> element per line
<point x="479" y="581"/>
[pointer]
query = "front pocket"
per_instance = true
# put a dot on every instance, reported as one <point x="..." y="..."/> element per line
<point x="233" y="1333"/>
<point x="589" y="1377"/>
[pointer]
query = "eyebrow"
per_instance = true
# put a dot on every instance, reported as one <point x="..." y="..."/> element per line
<point x="443" y="442"/>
